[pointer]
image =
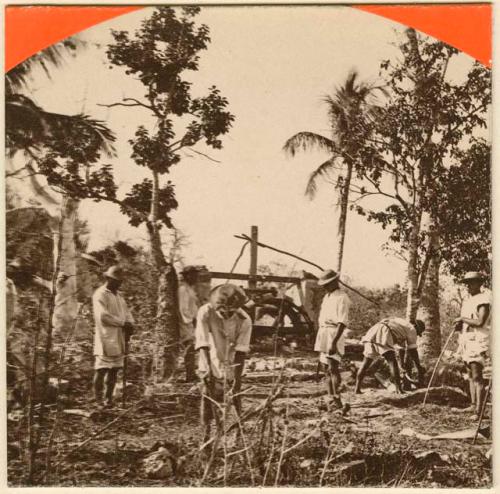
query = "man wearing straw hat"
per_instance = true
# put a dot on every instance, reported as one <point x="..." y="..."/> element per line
<point x="474" y="338"/>
<point x="222" y="337"/>
<point x="113" y="327"/>
<point x="330" y="339"/>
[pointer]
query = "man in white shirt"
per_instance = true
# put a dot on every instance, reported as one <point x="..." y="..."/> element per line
<point x="474" y="336"/>
<point x="223" y="332"/>
<point x="382" y="340"/>
<point x="188" y="308"/>
<point x="330" y="339"/>
<point x="113" y="328"/>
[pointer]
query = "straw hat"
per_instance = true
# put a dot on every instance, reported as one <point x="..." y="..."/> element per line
<point x="328" y="276"/>
<point x="471" y="276"/>
<point x="228" y="295"/>
<point x="115" y="273"/>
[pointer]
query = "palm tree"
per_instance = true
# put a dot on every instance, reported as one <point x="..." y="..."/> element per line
<point x="348" y="109"/>
<point x="32" y="131"/>
<point x="28" y="126"/>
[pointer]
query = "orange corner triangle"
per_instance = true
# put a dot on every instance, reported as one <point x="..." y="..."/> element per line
<point x="466" y="27"/>
<point x="31" y="29"/>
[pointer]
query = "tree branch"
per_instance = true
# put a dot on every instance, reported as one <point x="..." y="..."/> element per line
<point x="124" y="102"/>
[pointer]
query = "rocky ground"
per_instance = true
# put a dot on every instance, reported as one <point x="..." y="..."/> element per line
<point x="384" y="440"/>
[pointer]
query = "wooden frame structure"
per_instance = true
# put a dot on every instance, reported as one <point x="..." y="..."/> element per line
<point x="252" y="277"/>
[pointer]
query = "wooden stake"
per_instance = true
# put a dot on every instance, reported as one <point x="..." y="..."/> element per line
<point x="483" y="409"/>
<point x="254" y="237"/>
<point x="437" y="364"/>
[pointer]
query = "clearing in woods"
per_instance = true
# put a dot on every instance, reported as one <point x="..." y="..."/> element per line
<point x="384" y="440"/>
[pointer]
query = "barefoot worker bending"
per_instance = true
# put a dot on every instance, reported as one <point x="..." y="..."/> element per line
<point x="113" y="327"/>
<point x="223" y="332"/>
<point x="474" y="339"/>
<point x="330" y="340"/>
<point x="383" y="339"/>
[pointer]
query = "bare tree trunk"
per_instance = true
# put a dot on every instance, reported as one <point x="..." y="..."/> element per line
<point x="65" y="297"/>
<point x="413" y="300"/>
<point x="344" y="201"/>
<point x="430" y="342"/>
<point x="167" y="311"/>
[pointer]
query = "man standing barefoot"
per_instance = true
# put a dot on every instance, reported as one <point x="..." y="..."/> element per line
<point x="330" y="340"/>
<point x="474" y="341"/>
<point x="223" y="332"/>
<point x="113" y="327"/>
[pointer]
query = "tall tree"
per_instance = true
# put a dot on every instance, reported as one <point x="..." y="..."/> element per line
<point x="348" y="108"/>
<point x="465" y="211"/>
<point x="166" y="45"/>
<point x="159" y="53"/>
<point x="37" y="134"/>
<point x="427" y="121"/>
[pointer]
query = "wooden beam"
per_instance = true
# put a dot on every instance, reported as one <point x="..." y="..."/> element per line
<point x="258" y="277"/>
<point x="254" y="236"/>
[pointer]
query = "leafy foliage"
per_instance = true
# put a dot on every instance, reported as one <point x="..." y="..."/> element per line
<point x="166" y="46"/>
<point x="415" y="151"/>
<point x="465" y="214"/>
<point x="139" y="199"/>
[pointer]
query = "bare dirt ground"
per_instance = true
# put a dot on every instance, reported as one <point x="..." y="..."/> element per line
<point x="383" y="441"/>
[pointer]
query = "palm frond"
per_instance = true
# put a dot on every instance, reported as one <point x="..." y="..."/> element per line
<point x="323" y="171"/>
<point x="28" y="126"/>
<point x="51" y="57"/>
<point x="305" y="141"/>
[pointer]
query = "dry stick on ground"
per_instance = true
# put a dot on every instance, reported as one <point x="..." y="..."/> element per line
<point x="282" y="452"/>
<point x="483" y="409"/>
<point x="271" y="455"/>
<point x="50" y="326"/>
<point x="32" y="443"/>
<point x="251" y="413"/>
<point x="437" y="364"/>
<point x="328" y="460"/>
<point x="100" y="431"/>
<point x="215" y="440"/>
<point x="246" y="447"/>
<point x="60" y="369"/>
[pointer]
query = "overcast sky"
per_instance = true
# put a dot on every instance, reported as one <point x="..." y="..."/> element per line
<point x="274" y="65"/>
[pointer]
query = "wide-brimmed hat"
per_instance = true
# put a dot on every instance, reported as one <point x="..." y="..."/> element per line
<point x="328" y="276"/>
<point x="115" y="273"/>
<point x="227" y="296"/>
<point x="472" y="276"/>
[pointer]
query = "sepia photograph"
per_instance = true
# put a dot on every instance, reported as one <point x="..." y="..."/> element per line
<point x="248" y="246"/>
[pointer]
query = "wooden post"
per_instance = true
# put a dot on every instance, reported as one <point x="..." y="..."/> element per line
<point x="254" y="235"/>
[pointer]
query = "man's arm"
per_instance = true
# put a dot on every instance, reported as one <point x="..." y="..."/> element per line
<point x="412" y="356"/>
<point x="338" y="334"/>
<point x="483" y="314"/>
<point x="101" y="313"/>
<point x="343" y="317"/>
<point x="390" y="357"/>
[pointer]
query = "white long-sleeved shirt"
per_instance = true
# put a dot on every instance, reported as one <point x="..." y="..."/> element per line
<point x="110" y="314"/>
